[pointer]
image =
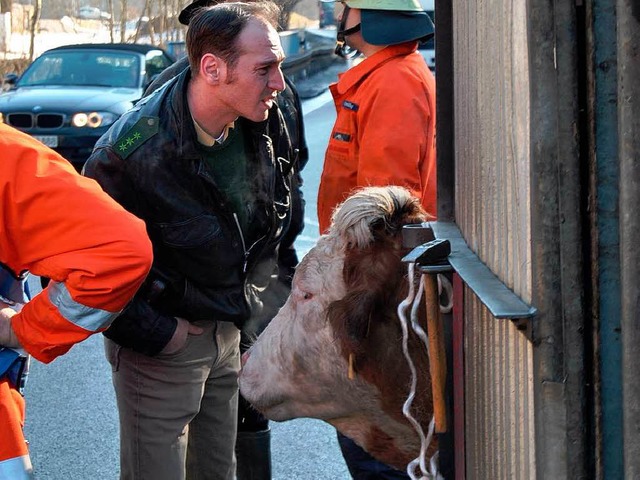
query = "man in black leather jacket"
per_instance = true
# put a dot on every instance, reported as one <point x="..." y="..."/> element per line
<point x="253" y="443"/>
<point x="289" y="103"/>
<point x="208" y="169"/>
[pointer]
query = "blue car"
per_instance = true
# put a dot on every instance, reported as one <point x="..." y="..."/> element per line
<point x="69" y="96"/>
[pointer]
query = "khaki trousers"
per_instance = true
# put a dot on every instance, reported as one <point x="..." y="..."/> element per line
<point x="178" y="412"/>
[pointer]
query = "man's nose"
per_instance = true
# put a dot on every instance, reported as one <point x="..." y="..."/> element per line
<point x="276" y="82"/>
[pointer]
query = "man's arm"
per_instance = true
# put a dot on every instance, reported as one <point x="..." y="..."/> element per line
<point x="291" y="108"/>
<point x="61" y="225"/>
<point x="141" y="326"/>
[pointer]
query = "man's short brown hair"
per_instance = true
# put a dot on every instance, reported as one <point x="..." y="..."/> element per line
<point x="216" y="29"/>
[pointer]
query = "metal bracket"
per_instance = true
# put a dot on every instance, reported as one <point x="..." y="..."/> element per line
<point x="432" y="254"/>
<point x="501" y="301"/>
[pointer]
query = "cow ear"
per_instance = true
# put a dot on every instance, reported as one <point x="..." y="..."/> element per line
<point x="373" y="278"/>
<point x="351" y="317"/>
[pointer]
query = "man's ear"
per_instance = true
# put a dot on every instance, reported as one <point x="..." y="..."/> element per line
<point x="212" y="68"/>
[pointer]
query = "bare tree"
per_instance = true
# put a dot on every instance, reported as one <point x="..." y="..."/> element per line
<point x="145" y="12"/>
<point x="111" y="20"/>
<point x="164" y="21"/>
<point x="123" y="21"/>
<point x="287" y="7"/>
<point x="35" y="20"/>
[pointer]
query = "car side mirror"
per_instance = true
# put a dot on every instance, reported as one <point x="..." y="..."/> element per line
<point x="9" y="81"/>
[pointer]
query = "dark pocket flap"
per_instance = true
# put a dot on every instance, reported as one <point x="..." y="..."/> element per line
<point x="194" y="232"/>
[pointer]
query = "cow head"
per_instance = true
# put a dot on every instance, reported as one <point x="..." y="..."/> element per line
<point x="334" y="351"/>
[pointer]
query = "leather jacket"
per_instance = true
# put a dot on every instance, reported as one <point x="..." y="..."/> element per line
<point x="291" y="109"/>
<point x="203" y="269"/>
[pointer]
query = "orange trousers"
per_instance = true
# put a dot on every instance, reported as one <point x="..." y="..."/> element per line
<point x="13" y="445"/>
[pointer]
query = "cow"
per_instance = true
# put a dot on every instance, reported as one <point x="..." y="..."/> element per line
<point x="334" y="350"/>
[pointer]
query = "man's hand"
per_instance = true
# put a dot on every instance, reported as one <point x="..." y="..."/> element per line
<point x="7" y="337"/>
<point x="183" y="330"/>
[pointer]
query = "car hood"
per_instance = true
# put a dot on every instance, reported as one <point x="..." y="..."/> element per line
<point x="66" y="98"/>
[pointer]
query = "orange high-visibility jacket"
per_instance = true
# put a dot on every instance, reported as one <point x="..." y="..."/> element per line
<point x="384" y="132"/>
<point x="58" y="224"/>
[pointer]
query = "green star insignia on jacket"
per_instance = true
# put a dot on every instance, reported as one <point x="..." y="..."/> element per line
<point x="140" y="132"/>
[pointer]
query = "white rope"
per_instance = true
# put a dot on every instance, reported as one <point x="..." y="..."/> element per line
<point x="415" y="324"/>
<point x="425" y="441"/>
<point x="445" y="284"/>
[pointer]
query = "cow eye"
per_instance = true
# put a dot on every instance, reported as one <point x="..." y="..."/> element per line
<point x="307" y="295"/>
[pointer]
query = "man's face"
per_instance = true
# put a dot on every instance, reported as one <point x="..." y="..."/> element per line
<point x="252" y="84"/>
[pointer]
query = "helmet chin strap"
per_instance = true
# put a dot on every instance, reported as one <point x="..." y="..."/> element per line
<point x="342" y="49"/>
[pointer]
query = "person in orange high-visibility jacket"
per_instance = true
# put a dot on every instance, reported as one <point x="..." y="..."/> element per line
<point x="384" y="133"/>
<point x="57" y="224"/>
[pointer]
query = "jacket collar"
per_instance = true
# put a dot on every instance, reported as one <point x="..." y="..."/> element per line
<point x="355" y="74"/>
<point x="187" y="136"/>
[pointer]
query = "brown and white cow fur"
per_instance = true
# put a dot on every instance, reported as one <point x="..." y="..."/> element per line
<point x="343" y="303"/>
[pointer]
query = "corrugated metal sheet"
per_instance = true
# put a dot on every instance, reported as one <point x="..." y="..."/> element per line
<point x="499" y="423"/>
<point x="492" y="136"/>
<point x="535" y="196"/>
<point x="629" y="131"/>
<point x="492" y="209"/>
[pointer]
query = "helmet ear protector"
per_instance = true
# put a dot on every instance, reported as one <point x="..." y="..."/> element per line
<point x="390" y="27"/>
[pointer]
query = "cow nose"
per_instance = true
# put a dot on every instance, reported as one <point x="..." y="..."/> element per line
<point x="244" y="358"/>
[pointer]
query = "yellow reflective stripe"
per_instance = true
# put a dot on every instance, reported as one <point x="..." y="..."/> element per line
<point x="18" y="468"/>
<point x="92" y="319"/>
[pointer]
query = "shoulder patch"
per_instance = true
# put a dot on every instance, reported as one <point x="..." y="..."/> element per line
<point x="140" y="132"/>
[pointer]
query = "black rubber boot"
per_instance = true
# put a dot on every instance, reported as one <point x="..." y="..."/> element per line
<point x="253" y="452"/>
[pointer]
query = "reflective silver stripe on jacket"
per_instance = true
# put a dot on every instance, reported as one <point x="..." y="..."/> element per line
<point x="18" y="468"/>
<point x="92" y="319"/>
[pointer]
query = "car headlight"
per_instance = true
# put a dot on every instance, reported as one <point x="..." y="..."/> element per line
<point x="93" y="119"/>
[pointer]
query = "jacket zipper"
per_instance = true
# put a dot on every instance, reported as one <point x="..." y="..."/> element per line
<point x="247" y="252"/>
<point x="244" y="246"/>
<point x="272" y="182"/>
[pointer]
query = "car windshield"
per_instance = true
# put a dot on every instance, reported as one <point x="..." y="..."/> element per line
<point x="83" y="68"/>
